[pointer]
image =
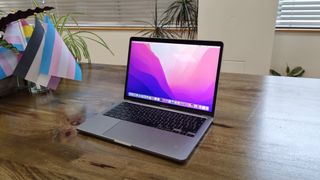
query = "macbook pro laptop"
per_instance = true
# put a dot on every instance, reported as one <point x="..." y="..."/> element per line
<point x="169" y="97"/>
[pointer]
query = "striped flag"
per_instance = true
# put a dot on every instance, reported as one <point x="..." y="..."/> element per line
<point x="31" y="51"/>
<point x="45" y="59"/>
<point x="8" y="62"/>
<point x="14" y="34"/>
<point x="8" y="59"/>
<point x="57" y="60"/>
<point x="29" y="66"/>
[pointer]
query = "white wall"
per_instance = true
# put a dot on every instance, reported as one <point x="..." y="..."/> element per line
<point x="248" y="40"/>
<point x="118" y="41"/>
<point x="297" y="49"/>
<point x="247" y="29"/>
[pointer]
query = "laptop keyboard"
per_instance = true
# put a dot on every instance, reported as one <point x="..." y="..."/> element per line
<point x="161" y="119"/>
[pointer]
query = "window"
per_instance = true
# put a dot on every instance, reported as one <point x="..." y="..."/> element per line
<point x="98" y="12"/>
<point x="298" y="14"/>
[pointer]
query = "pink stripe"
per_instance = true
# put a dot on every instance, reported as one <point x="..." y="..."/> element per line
<point x="14" y="39"/>
<point x="5" y="65"/>
<point x="56" y="54"/>
<point x="71" y="67"/>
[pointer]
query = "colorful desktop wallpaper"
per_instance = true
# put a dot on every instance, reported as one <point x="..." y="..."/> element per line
<point x="178" y="72"/>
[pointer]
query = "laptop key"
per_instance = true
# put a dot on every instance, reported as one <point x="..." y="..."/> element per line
<point x="191" y="134"/>
<point x="157" y="118"/>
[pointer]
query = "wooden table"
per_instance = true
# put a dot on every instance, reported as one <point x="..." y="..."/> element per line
<point x="265" y="128"/>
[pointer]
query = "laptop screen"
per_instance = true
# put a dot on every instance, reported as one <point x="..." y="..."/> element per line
<point x="178" y="74"/>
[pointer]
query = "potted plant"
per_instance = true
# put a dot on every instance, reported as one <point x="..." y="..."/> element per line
<point x="179" y="20"/>
<point x="290" y="72"/>
<point x="184" y="15"/>
<point x="158" y="28"/>
<point x="76" y="40"/>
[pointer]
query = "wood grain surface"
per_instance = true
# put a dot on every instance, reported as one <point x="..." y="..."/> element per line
<point x="265" y="128"/>
<point x="10" y="85"/>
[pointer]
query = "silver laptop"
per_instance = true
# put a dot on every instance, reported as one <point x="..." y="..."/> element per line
<point x="169" y="97"/>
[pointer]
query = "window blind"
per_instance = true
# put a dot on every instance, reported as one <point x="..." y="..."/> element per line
<point x="98" y="12"/>
<point x="298" y="14"/>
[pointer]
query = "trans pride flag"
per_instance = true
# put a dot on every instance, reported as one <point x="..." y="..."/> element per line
<point x="57" y="60"/>
<point x="14" y="34"/>
<point x="8" y="62"/>
<point x="28" y="67"/>
<point x="46" y="58"/>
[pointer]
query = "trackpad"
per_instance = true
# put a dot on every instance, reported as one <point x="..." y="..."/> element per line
<point x="130" y="133"/>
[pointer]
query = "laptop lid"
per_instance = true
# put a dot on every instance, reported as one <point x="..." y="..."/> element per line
<point x="176" y="74"/>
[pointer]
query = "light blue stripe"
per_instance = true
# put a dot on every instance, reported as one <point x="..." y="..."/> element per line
<point x="78" y="73"/>
<point x="2" y="49"/>
<point x="19" y="47"/>
<point x="48" y="47"/>
<point x="2" y="74"/>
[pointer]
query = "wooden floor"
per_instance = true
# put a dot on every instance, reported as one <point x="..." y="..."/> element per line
<point x="265" y="128"/>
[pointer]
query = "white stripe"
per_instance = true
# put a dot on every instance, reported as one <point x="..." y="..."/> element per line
<point x="22" y="37"/>
<point x="63" y="62"/>
<point x="33" y="74"/>
<point x="43" y="80"/>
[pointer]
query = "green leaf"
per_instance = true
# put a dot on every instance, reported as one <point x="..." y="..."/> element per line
<point x="183" y="14"/>
<point x="287" y="69"/>
<point x="75" y="41"/>
<point x="62" y="25"/>
<point x="75" y="22"/>
<point x="158" y="28"/>
<point x="54" y="19"/>
<point x="71" y="44"/>
<point x="4" y="43"/>
<point x="300" y="74"/>
<point x="98" y="39"/>
<point x="36" y="4"/>
<point x="274" y="73"/>
<point x="295" y="71"/>
<point x="85" y="49"/>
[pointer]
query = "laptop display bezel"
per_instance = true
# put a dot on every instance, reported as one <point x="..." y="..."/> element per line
<point x="171" y="106"/>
